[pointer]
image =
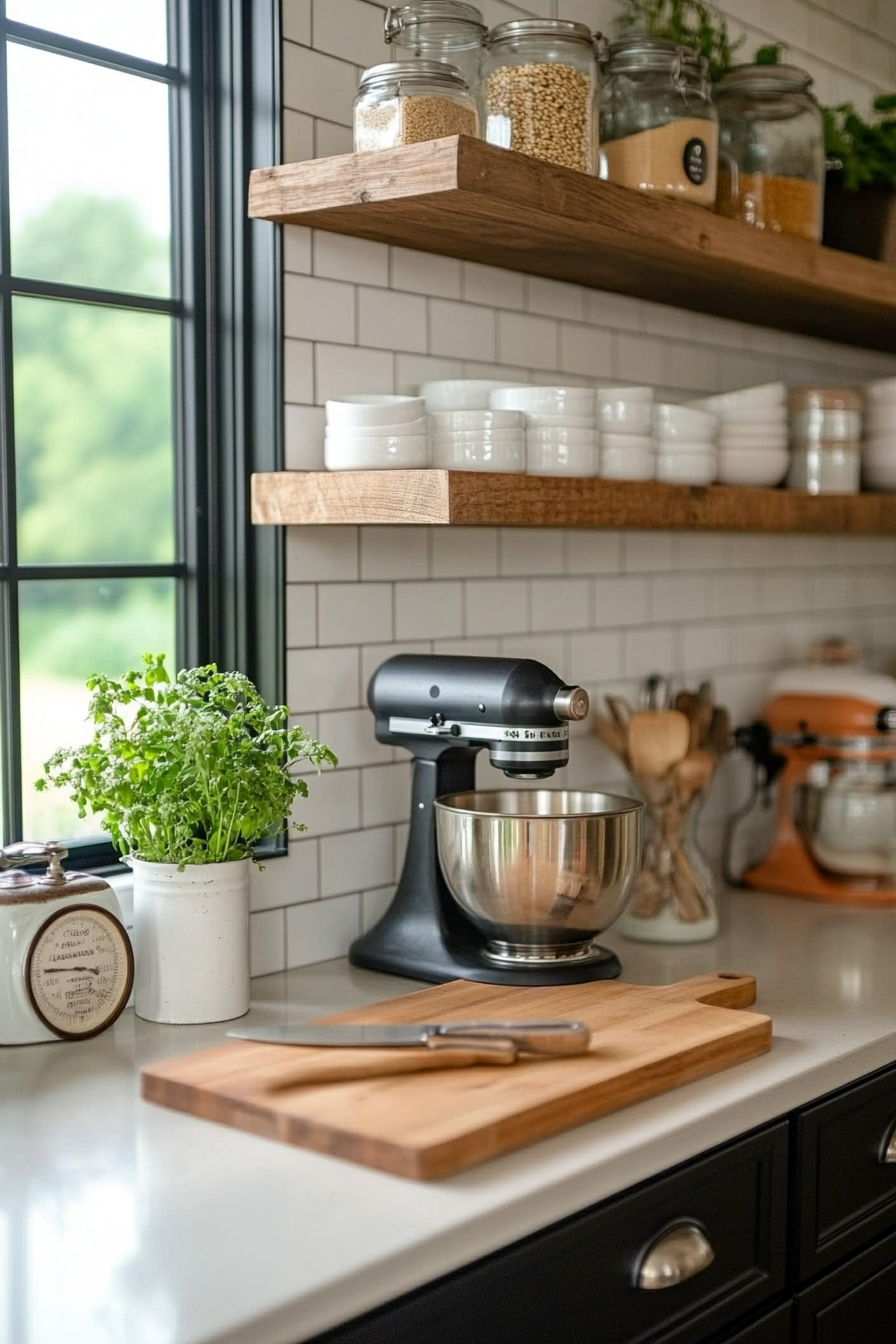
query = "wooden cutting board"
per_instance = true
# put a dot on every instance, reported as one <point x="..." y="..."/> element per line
<point x="646" y="1040"/>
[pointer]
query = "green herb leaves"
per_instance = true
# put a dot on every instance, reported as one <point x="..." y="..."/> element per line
<point x="189" y="771"/>
<point x="862" y="153"/>
<point x="690" y="23"/>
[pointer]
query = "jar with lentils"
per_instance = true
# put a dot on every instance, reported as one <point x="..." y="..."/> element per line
<point x="658" y="128"/>
<point x="771" y="150"/>
<point x="439" y="30"/>
<point x="540" y="91"/>
<point x="404" y="102"/>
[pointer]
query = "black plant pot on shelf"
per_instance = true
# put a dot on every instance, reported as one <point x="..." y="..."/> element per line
<point x="861" y="221"/>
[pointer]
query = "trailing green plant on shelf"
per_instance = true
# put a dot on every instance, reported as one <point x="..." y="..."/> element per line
<point x="690" y="23"/>
<point x="862" y="153"/>
<point x="194" y="770"/>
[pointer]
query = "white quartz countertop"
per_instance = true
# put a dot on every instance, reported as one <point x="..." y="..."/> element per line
<point x="125" y="1223"/>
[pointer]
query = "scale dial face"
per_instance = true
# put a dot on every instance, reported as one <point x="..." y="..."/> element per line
<point x="79" y="971"/>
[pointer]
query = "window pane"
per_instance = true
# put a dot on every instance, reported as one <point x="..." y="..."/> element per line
<point x="89" y="174"/>
<point x="69" y="629"/>
<point x="136" y="26"/>
<point x="93" y="425"/>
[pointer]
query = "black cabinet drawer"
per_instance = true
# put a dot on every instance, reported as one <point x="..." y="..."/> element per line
<point x="855" y="1304"/>
<point x="579" y="1278"/>
<point x="775" y="1328"/>
<point x="847" y="1192"/>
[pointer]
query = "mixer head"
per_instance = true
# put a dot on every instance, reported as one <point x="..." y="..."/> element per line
<point x="517" y="708"/>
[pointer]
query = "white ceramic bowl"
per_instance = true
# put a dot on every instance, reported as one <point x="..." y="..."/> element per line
<point x="503" y="455"/>
<point x="628" y="443"/>
<point x="752" y="466"/>
<point x="743" y="438"/>
<point x="369" y="409"/>
<point x="773" y="416"/>
<point x="685" y="468"/>
<point x="544" y="400"/>
<point x="378" y="431"/>
<point x="559" y="421"/>
<point x="625" y="464"/>
<point x="376" y="454"/>
<point x="557" y="435"/>
<point x="460" y="394"/>
<point x="626" y="417"/>
<point x="443" y="421"/>
<point x="624" y="394"/>
<point x="684" y="447"/>
<point x="683" y="424"/>
<point x="578" y="459"/>
<point x="766" y="394"/>
<point x="481" y="436"/>
<point x="881" y="390"/>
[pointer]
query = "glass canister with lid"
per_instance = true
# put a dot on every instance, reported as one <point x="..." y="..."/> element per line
<point x="658" y="127"/>
<point x="404" y="102"/>
<point x="540" y="90"/>
<point x="439" y="30"/>
<point x="771" y="150"/>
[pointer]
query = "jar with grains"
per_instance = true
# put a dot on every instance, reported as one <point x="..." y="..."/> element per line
<point x="540" y="90"/>
<point x="825" y="439"/>
<point x="440" y="30"/>
<point x="658" y="128"/>
<point x="404" y="102"/>
<point x="771" y="150"/>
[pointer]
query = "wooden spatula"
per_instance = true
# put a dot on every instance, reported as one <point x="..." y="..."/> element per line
<point x="657" y="740"/>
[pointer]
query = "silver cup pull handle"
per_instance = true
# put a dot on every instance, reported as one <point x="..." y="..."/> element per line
<point x="677" y="1254"/>
<point x="888" y="1148"/>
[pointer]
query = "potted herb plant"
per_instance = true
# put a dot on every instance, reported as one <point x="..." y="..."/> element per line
<point x="860" y="194"/>
<point x="690" y="23"/>
<point x="188" y="777"/>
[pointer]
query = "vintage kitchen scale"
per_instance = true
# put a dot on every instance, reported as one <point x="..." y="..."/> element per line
<point x="506" y="886"/>
<point x="67" y="965"/>
<point x="827" y="738"/>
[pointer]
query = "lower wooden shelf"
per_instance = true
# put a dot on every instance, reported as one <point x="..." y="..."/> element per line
<point x="481" y="499"/>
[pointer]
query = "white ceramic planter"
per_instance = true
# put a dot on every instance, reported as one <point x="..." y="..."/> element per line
<point x="191" y="941"/>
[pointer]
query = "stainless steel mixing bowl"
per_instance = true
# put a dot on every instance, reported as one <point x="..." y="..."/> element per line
<point x="540" y="872"/>
<point x="849" y="830"/>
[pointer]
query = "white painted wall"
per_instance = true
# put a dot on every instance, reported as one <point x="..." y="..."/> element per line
<point x="600" y="608"/>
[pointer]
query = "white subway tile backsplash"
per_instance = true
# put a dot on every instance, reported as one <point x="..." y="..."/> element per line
<point x="604" y="608"/>
<point x="367" y="862"/>
<point x="428" y="610"/>
<point x="354" y="613"/>
<point x="322" y="931"/>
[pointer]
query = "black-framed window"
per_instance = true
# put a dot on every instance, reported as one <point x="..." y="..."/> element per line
<point x="139" y="364"/>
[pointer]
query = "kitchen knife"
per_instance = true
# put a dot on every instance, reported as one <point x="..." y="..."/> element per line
<point x="425" y="1045"/>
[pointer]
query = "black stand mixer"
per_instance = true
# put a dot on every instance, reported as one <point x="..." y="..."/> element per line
<point x="444" y="710"/>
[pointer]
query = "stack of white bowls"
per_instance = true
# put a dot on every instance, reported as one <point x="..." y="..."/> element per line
<point x="625" y="422"/>
<point x="879" y="448"/>
<point x="752" y="436"/>
<point x="561" y="434"/>
<point x="370" y="433"/>
<point x="479" y="440"/>
<point x="685" y="444"/>
<point x="459" y="394"/>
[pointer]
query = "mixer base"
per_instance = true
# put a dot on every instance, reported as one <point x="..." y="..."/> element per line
<point x="472" y="965"/>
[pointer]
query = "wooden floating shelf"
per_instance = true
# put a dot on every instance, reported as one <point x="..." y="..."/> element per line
<point x="463" y="198"/>
<point x="481" y="499"/>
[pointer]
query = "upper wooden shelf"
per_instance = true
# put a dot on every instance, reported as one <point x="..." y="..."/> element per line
<point x="463" y="198"/>
<point x="481" y="499"/>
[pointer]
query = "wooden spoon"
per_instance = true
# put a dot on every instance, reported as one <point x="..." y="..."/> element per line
<point x="718" y="737"/>
<point x="612" y="736"/>
<point x="657" y="740"/>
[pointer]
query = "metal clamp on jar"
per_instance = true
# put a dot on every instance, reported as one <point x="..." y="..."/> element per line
<point x="658" y="127"/>
<point x="771" y="150"/>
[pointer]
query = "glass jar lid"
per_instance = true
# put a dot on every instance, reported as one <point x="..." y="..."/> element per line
<point x="399" y="17"/>
<point x="634" y="54"/>
<point x="515" y="29"/>
<point x="765" y="79"/>
<point x="395" y="73"/>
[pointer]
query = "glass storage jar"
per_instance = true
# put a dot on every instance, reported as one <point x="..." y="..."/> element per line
<point x="658" y="127"/>
<point x="825" y="440"/>
<point x="540" y="90"/>
<point x="440" y="30"/>
<point x="404" y="102"/>
<point x="771" y="150"/>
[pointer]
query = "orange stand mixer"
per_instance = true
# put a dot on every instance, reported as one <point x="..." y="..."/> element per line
<point x="827" y="736"/>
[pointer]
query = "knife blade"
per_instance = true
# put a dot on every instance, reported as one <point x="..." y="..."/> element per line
<point x="550" y="1038"/>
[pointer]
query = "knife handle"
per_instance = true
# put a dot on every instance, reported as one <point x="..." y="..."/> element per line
<point x="541" y="1038"/>
<point x="339" y="1067"/>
